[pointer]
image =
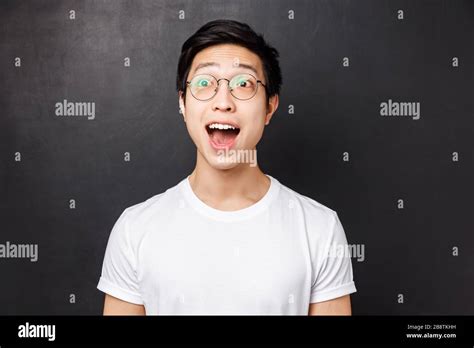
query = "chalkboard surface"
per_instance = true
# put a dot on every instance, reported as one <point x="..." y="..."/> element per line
<point x="375" y="121"/>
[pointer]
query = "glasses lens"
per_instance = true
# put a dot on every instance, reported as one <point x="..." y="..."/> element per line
<point x="203" y="87"/>
<point x="243" y="86"/>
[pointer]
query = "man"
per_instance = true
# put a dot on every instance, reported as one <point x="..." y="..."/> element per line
<point x="227" y="239"/>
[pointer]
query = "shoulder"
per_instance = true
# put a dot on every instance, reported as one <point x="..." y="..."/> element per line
<point x="157" y="204"/>
<point x="314" y="212"/>
<point x="136" y="219"/>
<point x="319" y="223"/>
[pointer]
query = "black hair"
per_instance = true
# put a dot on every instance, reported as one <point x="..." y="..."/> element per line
<point x="226" y="31"/>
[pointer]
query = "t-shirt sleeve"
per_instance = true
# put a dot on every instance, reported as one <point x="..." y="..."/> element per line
<point x="334" y="276"/>
<point x="119" y="275"/>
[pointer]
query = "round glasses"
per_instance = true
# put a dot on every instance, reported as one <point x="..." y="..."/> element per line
<point x="243" y="86"/>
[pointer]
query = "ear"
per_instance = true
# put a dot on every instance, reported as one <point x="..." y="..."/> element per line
<point x="181" y="105"/>
<point x="271" y="108"/>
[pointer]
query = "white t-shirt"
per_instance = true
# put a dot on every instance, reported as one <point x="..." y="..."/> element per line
<point x="174" y="254"/>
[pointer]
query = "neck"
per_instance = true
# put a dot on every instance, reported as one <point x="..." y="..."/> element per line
<point x="229" y="189"/>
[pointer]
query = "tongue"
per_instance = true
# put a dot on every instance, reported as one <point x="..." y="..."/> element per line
<point x="223" y="137"/>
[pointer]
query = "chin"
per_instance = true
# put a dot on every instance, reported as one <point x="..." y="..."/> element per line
<point x="217" y="164"/>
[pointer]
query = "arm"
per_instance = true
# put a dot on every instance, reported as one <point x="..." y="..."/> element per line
<point x="337" y="306"/>
<point x="115" y="306"/>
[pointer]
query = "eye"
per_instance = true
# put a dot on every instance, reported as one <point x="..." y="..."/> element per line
<point x="243" y="82"/>
<point x="202" y="82"/>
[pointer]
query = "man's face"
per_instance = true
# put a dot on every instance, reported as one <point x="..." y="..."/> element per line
<point x="248" y="117"/>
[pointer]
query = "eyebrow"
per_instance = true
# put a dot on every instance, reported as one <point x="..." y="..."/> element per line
<point x="241" y="65"/>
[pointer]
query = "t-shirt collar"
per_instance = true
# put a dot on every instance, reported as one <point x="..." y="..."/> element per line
<point x="234" y="215"/>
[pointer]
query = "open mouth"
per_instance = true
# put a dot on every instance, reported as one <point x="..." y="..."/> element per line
<point x="222" y="134"/>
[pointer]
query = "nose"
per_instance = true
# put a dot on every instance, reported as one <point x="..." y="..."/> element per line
<point x="223" y="99"/>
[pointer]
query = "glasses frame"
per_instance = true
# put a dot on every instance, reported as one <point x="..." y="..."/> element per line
<point x="228" y="86"/>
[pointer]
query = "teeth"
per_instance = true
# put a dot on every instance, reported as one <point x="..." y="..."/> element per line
<point x="220" y="126"/>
